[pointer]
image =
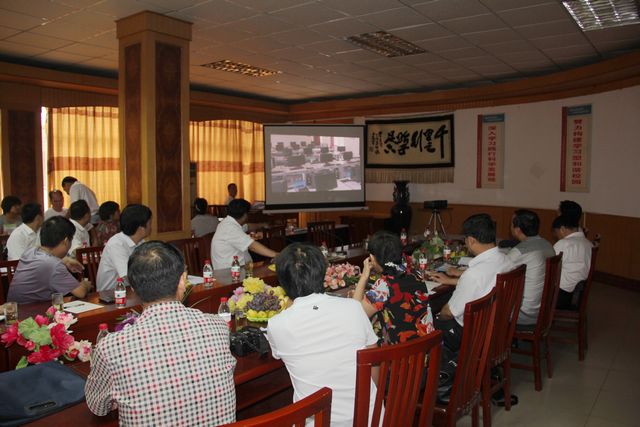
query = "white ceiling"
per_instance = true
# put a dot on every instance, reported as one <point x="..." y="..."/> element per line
<point x="468" y="42"/>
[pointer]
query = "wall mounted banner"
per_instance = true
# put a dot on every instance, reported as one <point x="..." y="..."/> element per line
<point x="419" y="150"/>
<point x="490" y="168"/>
<point x="576" y="149"/>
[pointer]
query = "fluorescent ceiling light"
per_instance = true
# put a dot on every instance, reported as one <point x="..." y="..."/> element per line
<point x="385" y="44"/>
<point x="239" y="67"/>
<point x="598" y="14"/>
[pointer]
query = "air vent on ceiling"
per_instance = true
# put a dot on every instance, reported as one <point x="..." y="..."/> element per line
<point x="597" y="14"/>
<point x="239" y="67"/>
<point x="385" y="44"/>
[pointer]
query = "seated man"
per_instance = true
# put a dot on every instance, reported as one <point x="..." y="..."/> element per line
<point x="135" y="223"/>
<point x="473" y="283"/>
<point x="317" y="337"/>
<point x="10" y="218"/>
<point x="533" y="251"/>
<point x="232" y="189"/>
<point x="173" y="366"/>
<point x="78" y="191"/>
<point x="57" y="203"/>
<point x="576" y="257"/>
<point x="203" y="223"/>
<point x="109" y="224"/>
<point x="80" y="215"/>
<point x="43" y="270"/>
<point x="26" y="235"/>
<point x="232" y="240"/>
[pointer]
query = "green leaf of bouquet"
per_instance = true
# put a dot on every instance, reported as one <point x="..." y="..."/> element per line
<point x="22" y="363"/>
<point x="27" y="326"/>
<point x="40" y="336"/>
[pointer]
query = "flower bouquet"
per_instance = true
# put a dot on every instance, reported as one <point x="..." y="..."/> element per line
<point x="258" y="300"/>
<point x="341" y="275"/>
<point x="48" y="337"/>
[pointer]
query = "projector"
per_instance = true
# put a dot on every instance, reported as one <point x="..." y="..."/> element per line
<point x="436" y="204"/>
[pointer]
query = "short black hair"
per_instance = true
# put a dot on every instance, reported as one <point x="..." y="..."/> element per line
<point x="78" y="209"/>
<point x="527" y="221"/>
<point x="8" y="202"/>
<point x="231" y="184"/>
<point x="301" y="268"/>
<point x="481" y="227"/>
<point x="55" y="230"/>
<point x="238" y="207"/>
<point x="154" y="270"/>
<point x="571" y="211"/>
<point x="134" y="216"/>
<point x="107" y="209"/>
<point x="386" y="247"/>
<point x="52" y="192"/>
<point x="564" y="221"/>
<point x="201" y="205"/>
<point x="30" y="211"/>
<point x="68" y="180"/>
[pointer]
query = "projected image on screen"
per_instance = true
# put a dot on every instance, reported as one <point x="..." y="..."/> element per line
<point x="313" y="165"/>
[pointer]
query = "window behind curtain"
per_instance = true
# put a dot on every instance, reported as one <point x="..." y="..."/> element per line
<point x="83" y="142"/>
<point x="228" y="151"/>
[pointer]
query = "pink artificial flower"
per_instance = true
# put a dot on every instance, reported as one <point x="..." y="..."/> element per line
<point x="30" y="345"/>
<point x="42" y="320"/>
<point x="66" y="319"/>
<point x="11" y="335"/>
<point x="44" y="354"/>
<point x="51" y="311"/>
<point x="21" y="341"/>
<point x="73" y="353"/>
<point x="60" y="338"/>
<point x="84" y="350"/>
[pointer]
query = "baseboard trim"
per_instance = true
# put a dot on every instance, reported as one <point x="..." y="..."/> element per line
<point x="617" y="281"/>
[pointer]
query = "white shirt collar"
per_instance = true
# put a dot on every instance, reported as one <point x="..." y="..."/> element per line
<point x="484" y="255"/>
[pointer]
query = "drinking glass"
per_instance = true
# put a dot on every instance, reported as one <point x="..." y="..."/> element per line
<point x="10" y="313"/>
<point x="249" y="268"/>
<point x="241" y="319"/>
<point x="57" y="301"/>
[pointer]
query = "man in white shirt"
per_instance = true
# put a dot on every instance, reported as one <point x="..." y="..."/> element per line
<point x="473" y="283"/>
<point x="232" y="189"/>
<point x="203" y="223"/>
<point x="80" y="217"/>
<point x="25" y="236"/>
<point x="533" y="251"/>
<point x="78" y="191"/>
<point x="318" y="336"/>
<point x="56" y="209"/>
<point x="576" y="257"/>
<point x="135" y="223"/>
<point x="232" y="240"/>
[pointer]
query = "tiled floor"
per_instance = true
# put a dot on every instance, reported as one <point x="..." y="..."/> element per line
<point x="603" y="390"/>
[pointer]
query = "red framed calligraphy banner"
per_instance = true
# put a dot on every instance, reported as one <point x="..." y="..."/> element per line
<point x="419" y="150"/>
<point x="576" y="149"/>
<point x="490" y="168"/>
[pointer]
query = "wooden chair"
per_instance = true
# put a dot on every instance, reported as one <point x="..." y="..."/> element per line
<point x="205" y="248"/>
<point x="190" y="249"/>
<point x="317" y="405"/>
<point x="577" y="318"/>
<point x="509" y="291"/>
<point x="217" y="210"/>
<point x="275" y="237"/>
<point x="540" y="331"/>
<point x="359" y="227"/>
<point x="479" y="316"/>
<point x="3" y="246"/>
<point x="401" y="371"/>
<point x="322" y="231"/>
<point x="90" y="259"/>
<point x="8" y="268"/>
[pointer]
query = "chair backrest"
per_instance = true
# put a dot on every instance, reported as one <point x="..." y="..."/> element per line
<point x="549" y="294"/>
<point x="90" y="259"/>
<point x="359" y="227"/>
<point x="479" y="316"/>
<point x="509" y="290"/>
<point x="3" y="246"/>
<point x="7" y="277"/>
<point x="317" y="405"/>
<point x="401" y="369"/>
<point x="322" y="231"/>
<point x="217" y="210"/>
<point x="587" y="285"/>
<point x="204" y="248"/>
<point x="275" y="237"/>
<point x="190" y="249"/>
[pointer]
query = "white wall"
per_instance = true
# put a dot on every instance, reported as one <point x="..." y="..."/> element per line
<point x="532" y="157"/>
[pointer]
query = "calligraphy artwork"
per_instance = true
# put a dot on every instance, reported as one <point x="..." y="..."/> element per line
<point x="410" y="143"/>
<point x="576" y="149"/>
<point x="490" y="168"/>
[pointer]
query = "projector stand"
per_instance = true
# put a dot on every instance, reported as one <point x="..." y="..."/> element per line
<point x="436" y="220"/>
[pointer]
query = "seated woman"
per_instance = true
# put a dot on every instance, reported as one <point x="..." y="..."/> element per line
<point x="203" y="223"/>
<point x="397" y="300"/>
<point x="109" y="223"/>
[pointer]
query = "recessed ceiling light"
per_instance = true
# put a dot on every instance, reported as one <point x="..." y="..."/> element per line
<point x="598" y="14"/>
<point x="385" y="44"/>
<point x="239" y="67"/>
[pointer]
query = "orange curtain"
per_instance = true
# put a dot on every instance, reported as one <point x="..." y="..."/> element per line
<point x="228" y="151"/>
<point x="83" y="142"/>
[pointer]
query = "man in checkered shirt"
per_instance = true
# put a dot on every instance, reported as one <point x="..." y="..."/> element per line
<point x="173" y="367"/>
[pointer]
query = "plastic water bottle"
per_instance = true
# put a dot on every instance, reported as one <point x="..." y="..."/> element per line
<point x="207" y="274"/>
<point x="324" y="249"/>
<point x="446" y="252"/>
<point x="85" y="256"/>
<point x="427" y="234"/>
<point x="366" y="242"/>
<point x="235" y="269"/>
<point x="403" y="237"/>
<point x="103" y="331"/>
<point x="427" y="320"/>
<point x="120" y="293"/>
<point x="422" y="260"/>
<point x="224" y="311"/>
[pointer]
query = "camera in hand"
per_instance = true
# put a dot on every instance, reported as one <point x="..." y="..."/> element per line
<point x="436" y="204"/>
<point x="247" y="341"/>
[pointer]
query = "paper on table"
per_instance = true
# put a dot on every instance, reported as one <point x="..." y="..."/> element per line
<point x="464" y="260"/>
<point x="195" y="280"/>
<point x="431" y="286"/>
<point x="77" y="307"/>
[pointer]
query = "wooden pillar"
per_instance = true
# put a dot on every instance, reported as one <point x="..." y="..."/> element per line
<point x="154" y="118"/>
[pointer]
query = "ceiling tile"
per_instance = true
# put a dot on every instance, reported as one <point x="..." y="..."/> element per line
<point x="19" y="50"/>
<point x="95" y="21"/>
<point x="570" y="51"/>
<point x="523" y="56"/>
<point x="444" y="43"/>
<point x="171" y="4"/>
<point x="7" y="32"/>
<point x="43" y="9"/>
<point x="301" y="37"/>
<point x="63" y="30"/>
<point x="471" y="24"/>
<point x="259" y="44"/>
<point x="88" y="50"/>
<point x="331" y="46"/>
<point x="558" y="41"/>
<point x="38" y="40"/>
<point x="509" y="46"/>
<point x="118" y="9"/>
<point x="101" y="64"/>
<point x="615" y="47"/>
<point x="534" y="14"/>
<point x="482" y="38"/>
<point x="455" y="54"/>
<point x="627" y="32"/>
<point x="485" y="60"/>
<point x="262" y="25"/>
<point x="512" y="4"/>
<point x="551" y="28"/>
<point x="361" y="7"/>
<point x="107" y="39"/>
<point x="395" y="18"/>
<point x="223" y="33"/>
<point x="18" y="20"/>
<point x="344" y="27"/>
<point x="219" y="11"/>
<point x="422" y="32"/>
<point x="440" y="10"/>
<point x="62" y="57"/>
<point x="308" y="14"/>
<point x="267" y="6"/>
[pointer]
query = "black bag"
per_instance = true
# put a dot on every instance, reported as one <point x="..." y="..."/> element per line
<point x="448" y="366"/>
<point x="249" y="340"/>
<point x="36" y="391"/>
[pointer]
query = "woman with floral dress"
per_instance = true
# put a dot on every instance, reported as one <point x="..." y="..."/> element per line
<point x="397" y="301"/>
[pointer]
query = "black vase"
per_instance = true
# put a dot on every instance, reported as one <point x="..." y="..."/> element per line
<point x="401" y="210"/>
